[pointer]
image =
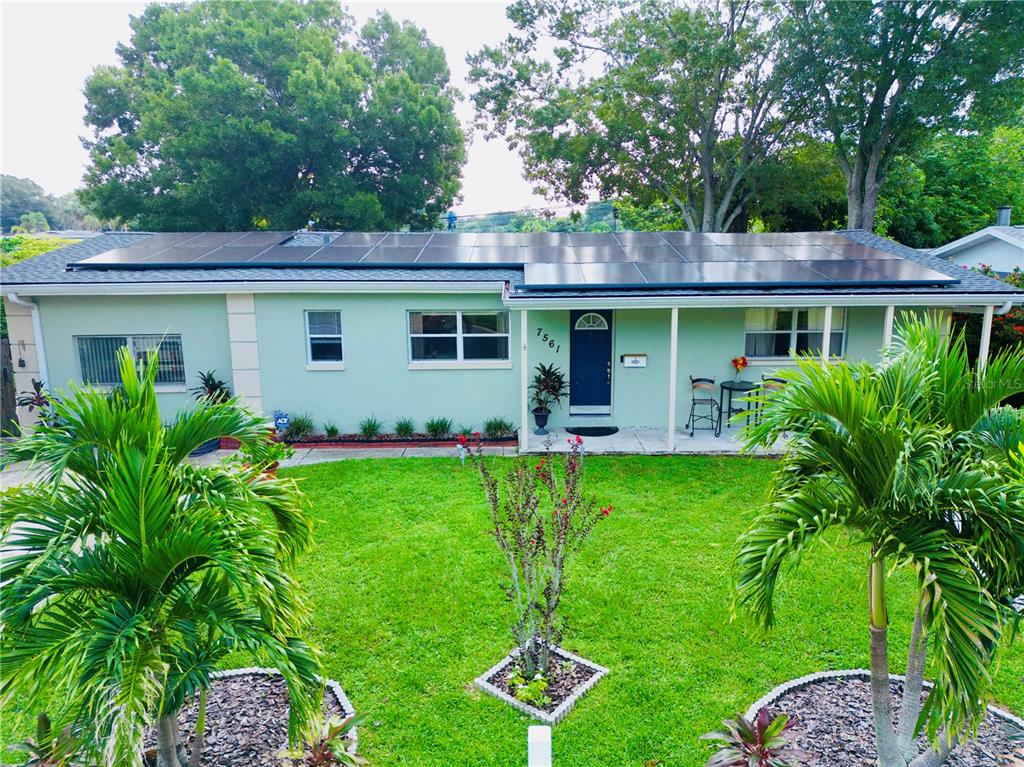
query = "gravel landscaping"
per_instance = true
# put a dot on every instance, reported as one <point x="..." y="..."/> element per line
<point x="833" y="725"/>
<point x="247" y="720"/>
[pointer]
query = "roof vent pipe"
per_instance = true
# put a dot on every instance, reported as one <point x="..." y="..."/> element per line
<point x="1003" y="215"/>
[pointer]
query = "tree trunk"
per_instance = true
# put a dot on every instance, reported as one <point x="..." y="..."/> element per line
<point x="199" y="735"/>
<point x="8" y="395"/>
<point x="881" y="702"/>
<point x="167" y="742"/>
<point x="911" y="708"/>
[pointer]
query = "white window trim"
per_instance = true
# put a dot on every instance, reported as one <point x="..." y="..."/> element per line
<point x="313" y="365"/>
<point x="793" y="331"/>
<point x="159" y="388"/>
<point x="459" y="363"/>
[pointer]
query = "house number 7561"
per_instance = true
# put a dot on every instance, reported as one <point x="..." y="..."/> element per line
<point x="547" y="339"/>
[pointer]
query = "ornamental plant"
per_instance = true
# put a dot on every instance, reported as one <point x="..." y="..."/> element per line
<point x="740" y="363"/>
<point x="762" y="742"/>
<point x="915" y="461"/>
<point x="129" y="574"/>
<point x="540" y="518"/>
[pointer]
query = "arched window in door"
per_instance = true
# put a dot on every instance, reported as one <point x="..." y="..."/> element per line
<point x="591" y="321"/>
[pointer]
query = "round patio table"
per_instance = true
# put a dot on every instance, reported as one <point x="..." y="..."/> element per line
<point x="727" y="411"/>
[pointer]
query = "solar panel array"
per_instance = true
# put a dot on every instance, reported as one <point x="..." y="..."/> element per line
<point x="551" y="260"/>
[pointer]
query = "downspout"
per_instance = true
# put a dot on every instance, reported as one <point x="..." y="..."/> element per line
<point x="37" y="331"/>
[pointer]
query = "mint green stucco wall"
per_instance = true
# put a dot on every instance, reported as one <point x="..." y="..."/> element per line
<point x="200" y="320"/>
<point x="377" y="379"/>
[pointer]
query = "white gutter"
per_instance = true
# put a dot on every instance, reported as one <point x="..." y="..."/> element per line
<point x="981" y="310"/>
<point x="275" y="286"/>
<point x="37" y="331"/>
<point x="773" y="300"/>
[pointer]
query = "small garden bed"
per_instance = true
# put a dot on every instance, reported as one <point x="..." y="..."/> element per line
<point x="392" y="440"/>
<point x="247" y="719"/>
<point x="569" y="679"/>
<point x="833" y="723"/>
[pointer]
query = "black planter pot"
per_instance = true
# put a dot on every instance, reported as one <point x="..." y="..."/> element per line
<point x="540" y="416"/>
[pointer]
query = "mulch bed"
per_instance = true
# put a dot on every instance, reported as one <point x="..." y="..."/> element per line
<point x="246" y="721"/>
<point x="834" y="726"/>
<point x="563" y="681"/>
<point x="391" y="440"/>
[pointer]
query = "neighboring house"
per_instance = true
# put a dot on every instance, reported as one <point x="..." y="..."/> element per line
<point x="423" y="325"/>
<point x="999" y="247"/>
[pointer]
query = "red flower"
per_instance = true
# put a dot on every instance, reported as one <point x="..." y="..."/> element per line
<point x="579" y="440"/>
<point x="565" y="501"/>
<point x="606" y="511"/>
<point x="462" y="439"/>
<point x="476" y="434"/>
<point x="538" y="467"/>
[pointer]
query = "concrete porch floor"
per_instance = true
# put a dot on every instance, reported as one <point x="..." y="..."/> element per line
<point x="648" y="441"/>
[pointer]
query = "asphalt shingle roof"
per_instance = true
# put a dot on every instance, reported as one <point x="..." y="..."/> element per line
<point x="51" y="269"/>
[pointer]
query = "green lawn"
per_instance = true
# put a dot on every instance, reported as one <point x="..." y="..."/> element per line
<point x="405" y="584"/>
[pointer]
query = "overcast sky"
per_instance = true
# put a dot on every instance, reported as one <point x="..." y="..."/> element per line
<point x="49" y="48"/>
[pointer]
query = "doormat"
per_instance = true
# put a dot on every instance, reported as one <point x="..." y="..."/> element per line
<point x="594" y="431"/>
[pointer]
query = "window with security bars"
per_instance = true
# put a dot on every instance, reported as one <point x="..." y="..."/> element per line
<point x="97" y="357"/>
<point x="470" y="336"/>
<point x="776" y="332"/>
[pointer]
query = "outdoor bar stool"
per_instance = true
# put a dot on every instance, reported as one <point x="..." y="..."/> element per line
<point x="702" y="394"/>
<point x="769" y="385"/>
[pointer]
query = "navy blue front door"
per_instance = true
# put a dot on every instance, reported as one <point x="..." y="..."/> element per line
<point x="590" y="362"/>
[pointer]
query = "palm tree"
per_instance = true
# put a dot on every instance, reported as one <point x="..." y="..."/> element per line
<point x="128" y="573"/>
<point x="910" y="459"/>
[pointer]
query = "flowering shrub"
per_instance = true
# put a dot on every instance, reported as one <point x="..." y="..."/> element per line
<point x="540" y="518"/>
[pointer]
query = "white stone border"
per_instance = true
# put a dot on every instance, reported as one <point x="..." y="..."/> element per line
<point x="857" y="673"/>
<point x="564" y="707"/>
<point x="339" y="694"/>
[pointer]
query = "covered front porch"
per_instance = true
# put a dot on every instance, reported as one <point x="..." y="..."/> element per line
<point x="640" y="371"/>
<point x="634" y="440"/>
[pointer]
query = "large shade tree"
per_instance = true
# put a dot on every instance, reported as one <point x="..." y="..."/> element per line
<point x="914" y="462"/>
<point x="884" y="75"/>
<point x="647" y="100"/>
<point x="245" y="114"/>
<point x="128" y="574"/>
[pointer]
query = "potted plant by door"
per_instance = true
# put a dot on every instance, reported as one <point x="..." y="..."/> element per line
<point x="547" y="389"/>
<point x="215" y="391"/>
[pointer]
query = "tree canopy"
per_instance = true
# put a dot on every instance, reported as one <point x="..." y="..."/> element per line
<point x="884" y="76"/>
<point x="652" y="101"/>
<point x="242" y="115"/>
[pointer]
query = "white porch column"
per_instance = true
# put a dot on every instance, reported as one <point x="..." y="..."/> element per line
<point x="245" y="350"/>
<point x="826" y="336"/>
<point x="524" y="373"/>
<point x="673" y="373"/>
<point x="890" y="315"/>
<point x="986" y="337"/>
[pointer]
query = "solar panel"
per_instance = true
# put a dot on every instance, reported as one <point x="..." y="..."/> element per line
<point x="543" y="238"/>
<point x="229" y="254"/>
<point x="858" y="251"/>
<point x="667" y="273"/>
<point x="446" y="254"/>
<point x="349" y="239"/>
<point x="165" y="240"/>
<point x="907" y="271"/>
<point x="686" y="238"/>
<point x="406" y="239"/>
<point x="751" y="253"/>
<point x="547" y="254"/>
<point x="343" y="255"/>
<point x="651" y="253"/>
<point x="700" y="253"/>
<point x="498" y="238"/>
<point x="453" y="238"/>
<point x="749" y="238"/>
<point x="787" y="272"/>
<point x="553" y="275"/>
<point x="846" y="271"/>
<point x="822" y="238"/>
<point x="611" y="274"/>
<point x="388" y="254"/>
<point x="595" y="254"/>
<point x="263" y="239"/>
<point x="177" y="255"/>
<point x="285" y="254"/>
<point x="639" y="238"/>
<point x="807" y="252"/>
<point x="727" y="272"/>
<point x="497" y="254"/>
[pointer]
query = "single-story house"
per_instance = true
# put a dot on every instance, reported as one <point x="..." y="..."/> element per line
<point x="448" y="324"/>
<point x="999" y="247"/>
